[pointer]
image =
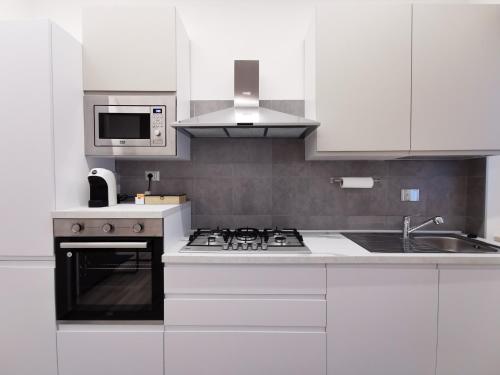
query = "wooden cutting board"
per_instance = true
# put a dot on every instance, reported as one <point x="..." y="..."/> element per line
<point x="165" y="199"/>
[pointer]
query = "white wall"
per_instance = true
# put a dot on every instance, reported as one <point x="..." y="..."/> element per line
<point x="493" y="197"/>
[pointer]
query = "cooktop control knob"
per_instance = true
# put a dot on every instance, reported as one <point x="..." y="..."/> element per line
<point x="234" y="246"/>
<point x="244" y="246"/>
<point x="137" y="228"/>
<point x="264" y="246"/>
<point x="106" y="228"/>
<point x="255" y="246"/>
<point x="225" y="246"/>
<point x="76" y="228"/>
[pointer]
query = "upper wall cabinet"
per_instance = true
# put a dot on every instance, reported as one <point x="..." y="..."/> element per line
<point x="133" y="49"/>
<point x="358" y="79"/>
<point x="456" y="77"/>
<point x="388" y="81"/>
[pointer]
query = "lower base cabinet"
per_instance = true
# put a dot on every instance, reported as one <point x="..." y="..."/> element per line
<point x="245" y="353"/>
<point x="469" y="314"/>
<point x="382" y="319"/>
<point x="27" y="318"/>
<point x="110" y="349"/>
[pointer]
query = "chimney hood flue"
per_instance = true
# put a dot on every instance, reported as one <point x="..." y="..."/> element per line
<point x="246" y="119"/>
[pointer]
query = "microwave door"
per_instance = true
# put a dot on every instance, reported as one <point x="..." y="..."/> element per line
<point x="122" y="126"/>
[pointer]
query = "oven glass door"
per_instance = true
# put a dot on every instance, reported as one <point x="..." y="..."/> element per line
<point x="109" y="280"/>
<point x="122" y="125"/>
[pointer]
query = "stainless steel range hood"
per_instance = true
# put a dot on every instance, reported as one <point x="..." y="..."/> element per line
<point x="247" y="119"/>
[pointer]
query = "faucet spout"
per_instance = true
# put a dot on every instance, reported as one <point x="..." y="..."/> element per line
<point x="407" y="229"/>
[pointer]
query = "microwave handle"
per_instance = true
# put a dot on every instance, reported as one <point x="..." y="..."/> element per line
<point x="103" y="245"/>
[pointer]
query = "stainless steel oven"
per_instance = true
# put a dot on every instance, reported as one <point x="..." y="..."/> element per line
<point x="130" y="125"/>
<point x="109" y="269"/>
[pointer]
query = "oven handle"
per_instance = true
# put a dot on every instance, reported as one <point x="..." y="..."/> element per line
<point x="103" y="245"/>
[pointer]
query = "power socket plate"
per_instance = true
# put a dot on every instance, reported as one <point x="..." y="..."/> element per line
<point x="156" y="175"/>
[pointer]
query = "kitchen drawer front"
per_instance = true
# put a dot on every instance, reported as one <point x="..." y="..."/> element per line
<point x="245" y="279"/>
<point x="245" y="353"/>
<point x="110" y="349"/>
<point x="275" y="312"/>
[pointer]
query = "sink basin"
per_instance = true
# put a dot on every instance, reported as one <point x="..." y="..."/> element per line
<point x="455" y="245"/>
<point x="448" y="243"/>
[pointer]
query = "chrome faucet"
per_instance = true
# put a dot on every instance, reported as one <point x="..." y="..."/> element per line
<point x="407" y="229"/>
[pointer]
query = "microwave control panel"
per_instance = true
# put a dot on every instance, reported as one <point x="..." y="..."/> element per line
<point x="158" y="125"/>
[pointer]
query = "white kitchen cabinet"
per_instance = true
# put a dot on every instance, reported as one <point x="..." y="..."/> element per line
<point x="249" y="279"/>
<point x="27" y="318"/>
<point x="469" y="307"/>
<point x="245" y="319"/>
<point x="246" y="311"/>
<point x="41" y="135"/>
<point x="110" y="349"/>
<point x="382" y="319"/>
<point x="244" y="353"/>
<point x="133" y="48"/>
<point x="358" y="79"/>
<point x="456" y="77"/>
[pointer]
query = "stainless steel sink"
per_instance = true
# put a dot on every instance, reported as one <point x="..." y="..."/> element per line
<point x="455" y="245"/>
<point x="448" y="243"/>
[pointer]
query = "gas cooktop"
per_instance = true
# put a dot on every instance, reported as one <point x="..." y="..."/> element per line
<point x="246" y="240"/>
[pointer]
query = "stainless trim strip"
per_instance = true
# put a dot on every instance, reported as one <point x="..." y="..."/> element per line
<point x="103" y="245"/>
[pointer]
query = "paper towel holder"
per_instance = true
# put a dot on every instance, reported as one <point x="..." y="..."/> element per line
<point x="339" y="180"/>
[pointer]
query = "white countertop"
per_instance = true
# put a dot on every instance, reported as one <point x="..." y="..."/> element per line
<point x="328" y="247"/>
<point x="120" y="211"/>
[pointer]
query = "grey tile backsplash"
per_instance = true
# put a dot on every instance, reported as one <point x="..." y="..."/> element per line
<point x="267" y="182"/>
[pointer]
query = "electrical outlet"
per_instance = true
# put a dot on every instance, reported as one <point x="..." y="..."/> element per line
<point x="156" y="175"/>
<point x="410" y="195"/>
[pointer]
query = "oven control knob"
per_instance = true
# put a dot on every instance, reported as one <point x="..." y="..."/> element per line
<point x="76" y="228"/>
<point x="234" y="246"/>
<point x="255" y="246"/>
<point x="244" y="246"/>
<point x="225" y="246"/>
<point x="157" y="133"/>
<point x="264" y="246"/>
<point x="106" y="228"/>
<point x="137" y="228"/>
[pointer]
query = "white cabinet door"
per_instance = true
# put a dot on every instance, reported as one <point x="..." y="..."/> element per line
<point x="110" y="349"/>
<point x="129" y="48"/>
<point x="456" y="77"/>
<point x="469" y="332"/>
<point x="245" y="353"/>
<point x="283" y="279"/>
<point x="382" y="320"/>
<point x="362" y="78"/>
<point x="26" y="156"/>
<point x="27" y="318"/>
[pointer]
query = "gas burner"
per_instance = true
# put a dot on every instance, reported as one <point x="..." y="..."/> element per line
<point x="273" y="232"/>
<point x="280" y="239"/>
<point x="246" y="234"/>
<point x="246" y="240"/>
<point x="219" y="231"/>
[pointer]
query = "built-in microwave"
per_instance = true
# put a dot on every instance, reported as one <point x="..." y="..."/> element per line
<point x="133" y="125"/>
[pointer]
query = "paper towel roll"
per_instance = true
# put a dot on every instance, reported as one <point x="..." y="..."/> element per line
<point x="356" y="182"/>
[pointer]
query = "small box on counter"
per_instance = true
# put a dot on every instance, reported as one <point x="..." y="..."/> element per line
<point x="139" y="199"/>
<point x="165" y="199"/>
